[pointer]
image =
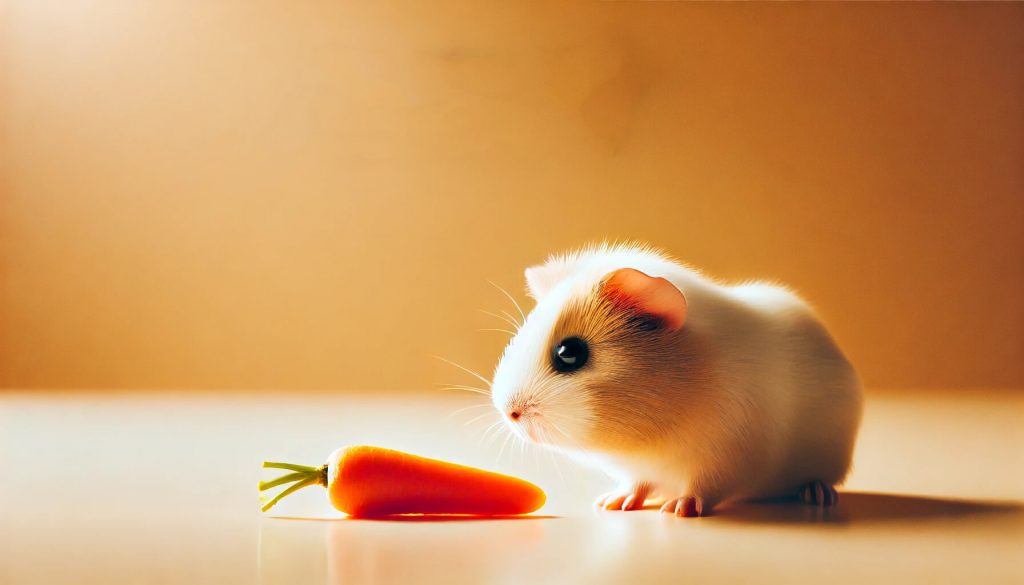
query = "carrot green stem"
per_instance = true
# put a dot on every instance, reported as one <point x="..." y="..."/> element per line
<point x="294" y="488"/>
<point x="288" y="478"/>
<point x="292" y="466"/>
<point x="301" y="476"/>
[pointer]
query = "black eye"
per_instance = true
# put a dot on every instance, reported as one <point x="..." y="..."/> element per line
<point x="570" y="354"/>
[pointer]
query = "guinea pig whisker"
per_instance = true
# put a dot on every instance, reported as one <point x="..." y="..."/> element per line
<point x="472" y="389"/>
<point x="471" y="406"/>
<point x="504" y="444"/>
<point x="490" y="429"/>
<point x="572" y="441"/>
<point x="512" y="333"/>
<point x="465" y="369"/>
<point x="508" y="320"/>
<point x="493" y="440"/>
<point x="511" y="298"/>
<point x="522" y="455"/>
<point x="459" y="411"/>
<point x="478" y="417"/>
<point x="558" y="428"/>
<point x="509" y="316"/>
<point x="551" y="456"/>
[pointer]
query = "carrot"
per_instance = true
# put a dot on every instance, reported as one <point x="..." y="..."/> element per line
<point x="373" y="481"/>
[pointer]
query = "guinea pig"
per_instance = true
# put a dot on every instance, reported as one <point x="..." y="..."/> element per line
<point x="684" y="389"/>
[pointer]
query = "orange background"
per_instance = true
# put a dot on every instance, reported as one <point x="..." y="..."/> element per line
<point x="313" y="195"/>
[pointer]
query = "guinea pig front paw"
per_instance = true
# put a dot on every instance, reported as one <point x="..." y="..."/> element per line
<point x="625" y="500"/>
<point x="817" y="493"/>
<point x="687" y="507"/>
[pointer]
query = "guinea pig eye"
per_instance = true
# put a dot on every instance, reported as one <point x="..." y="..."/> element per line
<point x="570" y="354"/>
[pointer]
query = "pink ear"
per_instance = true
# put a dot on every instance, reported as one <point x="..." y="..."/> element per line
<point x="652" y="296"/>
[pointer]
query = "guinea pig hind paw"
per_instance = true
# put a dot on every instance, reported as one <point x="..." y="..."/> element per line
<point x="817" y="493"/>
<point x="686" y="507"/>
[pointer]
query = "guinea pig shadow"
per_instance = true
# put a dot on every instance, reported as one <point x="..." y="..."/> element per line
<point x="867" y="507"/>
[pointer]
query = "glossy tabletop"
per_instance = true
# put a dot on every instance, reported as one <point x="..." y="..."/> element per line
<point x="161" y="488"/>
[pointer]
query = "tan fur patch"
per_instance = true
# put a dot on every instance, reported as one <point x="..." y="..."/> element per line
<point x="635" y="366"/>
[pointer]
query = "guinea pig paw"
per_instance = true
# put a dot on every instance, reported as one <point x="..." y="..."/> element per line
<point x="616" y="501"/>
<point x="625" y="500"/>
<point x="686" y="507"/>
<point x="817" y="493"/>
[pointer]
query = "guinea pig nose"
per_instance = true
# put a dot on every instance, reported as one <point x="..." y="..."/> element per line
<point x="515" y="414"/>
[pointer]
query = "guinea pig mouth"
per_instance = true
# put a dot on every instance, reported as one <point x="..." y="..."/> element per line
<point x="535" y="430"/>
<point x="531" y="431"/>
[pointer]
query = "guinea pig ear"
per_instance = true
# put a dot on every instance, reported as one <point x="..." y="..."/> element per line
<point x="541" y="279"/>
<point x="653" y="296"/>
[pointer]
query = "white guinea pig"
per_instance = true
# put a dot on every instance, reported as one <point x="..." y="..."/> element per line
<point x="686" y="390"/>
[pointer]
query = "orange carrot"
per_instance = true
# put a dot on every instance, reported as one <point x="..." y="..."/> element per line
<point x="372" y="481"/>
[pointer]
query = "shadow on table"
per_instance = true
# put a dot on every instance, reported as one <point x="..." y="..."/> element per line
<point x="445" y="518"/>
<point x="423" y="518"/>
<point x="866" y="507"/>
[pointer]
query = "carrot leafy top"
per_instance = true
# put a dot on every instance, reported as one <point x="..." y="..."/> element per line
<point x="301" y="476"/>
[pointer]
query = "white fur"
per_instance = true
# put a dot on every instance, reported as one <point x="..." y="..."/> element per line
<point x="791" y="403"/>
<point x="516" y="370"/>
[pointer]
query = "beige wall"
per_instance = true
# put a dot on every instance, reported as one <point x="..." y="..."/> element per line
<point x="308" y="195"/>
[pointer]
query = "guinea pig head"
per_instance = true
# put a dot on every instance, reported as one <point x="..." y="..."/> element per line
<point x="589" y="367"/>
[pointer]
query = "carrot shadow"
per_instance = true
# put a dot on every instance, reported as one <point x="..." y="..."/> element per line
<point x="420" y="518"/>
<point x="444" y="518"/>
<point x="868" y="507"/>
